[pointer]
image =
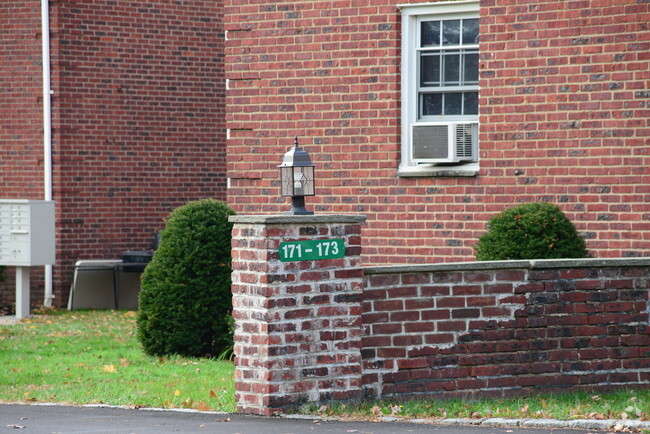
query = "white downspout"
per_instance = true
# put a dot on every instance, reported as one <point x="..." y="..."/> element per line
<point x="47" y="129"/>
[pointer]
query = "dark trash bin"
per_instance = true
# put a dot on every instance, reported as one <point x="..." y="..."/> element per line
<point x="136" y="261"/>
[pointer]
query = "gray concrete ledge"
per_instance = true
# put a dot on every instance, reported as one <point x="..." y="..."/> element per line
<point x="588" y="424"/>
<point x="589" y="262"/>
<point x="537" y="264"/>
<point x="280" y="219"/>
<point x="446" y="266"/>
<point x="424" y="171"/>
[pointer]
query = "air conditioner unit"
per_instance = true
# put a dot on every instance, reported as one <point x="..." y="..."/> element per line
<point x="450" y="142"/>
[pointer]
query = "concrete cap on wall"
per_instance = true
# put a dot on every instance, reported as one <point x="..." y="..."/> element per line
<point x="296" y="219"/>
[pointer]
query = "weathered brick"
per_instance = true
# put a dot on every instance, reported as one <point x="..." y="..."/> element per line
<point x="438" y="220"/>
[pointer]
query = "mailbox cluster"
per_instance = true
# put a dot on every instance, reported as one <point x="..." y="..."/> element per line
<point x="26" y="232"/>
<point x="27" y="238"/>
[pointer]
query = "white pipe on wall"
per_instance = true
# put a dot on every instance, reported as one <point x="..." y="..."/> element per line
<point x="47" y="129"/>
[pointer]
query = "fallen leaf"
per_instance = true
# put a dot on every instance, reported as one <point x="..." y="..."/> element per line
<point x="125" y="362"/>
<point x="223" y="420"/>
<point x="109" y="368"/>
<point x="177" y="393"/>
<point x="212" y="394"/>
<point x="375" y="410"/>
<point x="202" y="406"/>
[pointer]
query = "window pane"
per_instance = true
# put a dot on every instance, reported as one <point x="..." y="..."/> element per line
<point x="430" y="33"/>
<point x="430" y="70"/>
<point x="470" y="103"/>
<point x="453" y="104"/>
<point x="470" y="31"/>
<point x="451" y="32"/>
<point x="452" y="69"/>
<point x="431" y="104"/>
<point x="470" y="73"/>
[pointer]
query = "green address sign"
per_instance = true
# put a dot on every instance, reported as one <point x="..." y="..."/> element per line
<point x="311" y="250"/>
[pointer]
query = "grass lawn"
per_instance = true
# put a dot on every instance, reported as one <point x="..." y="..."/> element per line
<point x="84" y="357"/>
<point x="623" y="404"/>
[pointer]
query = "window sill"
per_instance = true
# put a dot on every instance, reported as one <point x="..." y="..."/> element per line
<point x="423" y="171"/>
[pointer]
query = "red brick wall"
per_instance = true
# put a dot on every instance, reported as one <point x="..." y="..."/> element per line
<point x="505" y="329"/>
<point x="564" y="118"/>
<point x="21" y="114"/>
<point x="308" y="331"/>
<point x="139" y="120"/>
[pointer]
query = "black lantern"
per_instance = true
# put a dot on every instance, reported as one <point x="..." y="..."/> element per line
<point x="297" y="178"/>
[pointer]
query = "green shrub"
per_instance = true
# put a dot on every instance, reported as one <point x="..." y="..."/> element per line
<point x="185" y="300"/>
<point x="537" y="230"/>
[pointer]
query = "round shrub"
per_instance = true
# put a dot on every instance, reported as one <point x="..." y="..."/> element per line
<point x="185" y="299"/>
<point x="536" y="230"/>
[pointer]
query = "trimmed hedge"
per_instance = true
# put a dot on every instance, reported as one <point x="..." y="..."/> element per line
<point x="536" y="230"/>
<point x="185" y="300"/>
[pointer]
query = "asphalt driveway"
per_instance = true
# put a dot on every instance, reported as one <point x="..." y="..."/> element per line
<point x="65" y="419"/>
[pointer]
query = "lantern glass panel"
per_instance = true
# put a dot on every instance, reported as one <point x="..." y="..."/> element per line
<point x="304" y="181"/>
<point x="286" y="176"/>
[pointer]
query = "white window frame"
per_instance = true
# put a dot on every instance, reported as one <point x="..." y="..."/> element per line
<point x="411" y="17"/>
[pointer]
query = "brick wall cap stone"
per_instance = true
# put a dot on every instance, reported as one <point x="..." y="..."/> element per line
<point x="537" y="264"/>
<point x="589" y="262"/>
<point x="297" y="219"/>
<point x="447" y="266"/>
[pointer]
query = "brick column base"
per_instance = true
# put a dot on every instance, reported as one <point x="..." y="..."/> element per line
<point x="297" y="323"/>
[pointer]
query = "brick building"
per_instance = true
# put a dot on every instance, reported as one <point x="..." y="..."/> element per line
<point x="429" y="129"/>
<point x="137" y="119"/>
<point x="413" y="119"/>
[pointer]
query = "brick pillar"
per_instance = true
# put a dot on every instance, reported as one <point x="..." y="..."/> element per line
<point x="297" y="323"/>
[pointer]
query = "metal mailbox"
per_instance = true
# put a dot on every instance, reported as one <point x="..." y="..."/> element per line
<point x="27" y="233"/>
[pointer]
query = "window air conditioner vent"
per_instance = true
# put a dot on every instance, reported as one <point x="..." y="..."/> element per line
<point x="444" y="143"/>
